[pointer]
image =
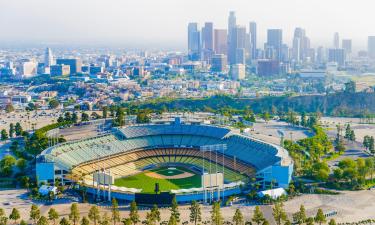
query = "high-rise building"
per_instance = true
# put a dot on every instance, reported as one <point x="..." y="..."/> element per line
<point x="238" y="71"/>
<point x="371" y="47"/>
<point x="194" y="46"/>
<point x="253" y="40"/>
<point x="274" y="42"/>
<point x="28" y="69"/>
<point x="237" y="41"/>
<point x="48" y="58"/>
<point x="218" y="63"/>
<point x="232" y="23"/>
<point x="268" y="67"/>
<point x="75" y="64"/>
<point x="320" y="56"/>
<point x="301" y="45"/>
<point x="336" y="40"/>
<point x="337" y="55"/>
<point x="347" y="45"/>
<point x="59" y="70"/>
<point x="221" y="41"/>
<point x="240" y="56"/>
<point x="208" y="40"/>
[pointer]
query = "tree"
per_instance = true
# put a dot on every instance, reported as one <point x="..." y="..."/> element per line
<point x="68" y="116"/>
<point x="195" y="213"/>
<point x="9" y="108"/>
<point x="133" y="215"/>
<point x="320" y="218"/>
<point x="238" y="218"/>
<point x="84" y="117"/>
<point x="127" y="221"/>
<point x="155" y="213"/>
<point x="105" y="112"/>
<point x="34" y="213"/>
<point x="174" y="209"/>
<point x="64" y="221"/>
<point x="300" y="216"/>
<point x="279" y="214"/>
<point x="85" y="221"/>
<point x="53" y="215"/>
<point x="53" y="103"/>
<point x="216" y="217"/>
<point x="42" y="221"/>
<point x="310" y="221"/>
<point x="332" y="222"/>
<point x="120" y="117"/>
<point x="371" y="144"/>
<point x="115" y="211"/>
<point x="143" y="116"/>
<point x="11" y="130"/>
<point x="258" y="217"/>
<point x="172" y="220"/>
<point x="105" y="220"/>
<point x="14" y="215"/>
<point x="350" y="87"/>
<point x="60" y="119"/>
<point x="18" y="129"/>
<point x="4" y="135"/>
<point x="3" y="217"/>
<point x="266" y="116"/>
<point x="74" y="215"/>
<point x="23" y="222"/>
<point x="74" y="118"/>
<point x="6" y="165"/>
<point x="3" y="220"/>
<point x="21" y="164"/>
<point x="94" y="214"/>
<point x="347" y="131"/>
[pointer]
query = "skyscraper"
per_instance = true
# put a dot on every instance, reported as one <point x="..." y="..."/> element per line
<point x="253" y="40"/>
<point x="221" y="41"/>
<point x="237" y="42"/>
<point x="75" y="64"/>
<point x="48" y="58"/>
<point x="301" y="45"/>
<point x="218" y="63"/>
<point x="347" y="46"/>
<point x="274" y="42"/>
<point x="337" y="55"/>
<point x="194" y="46"/>
<point x="336" y="40"/>
<point x="371" y="47"/>
<point x="208" y="40"/>
<point x="232" y="22"/>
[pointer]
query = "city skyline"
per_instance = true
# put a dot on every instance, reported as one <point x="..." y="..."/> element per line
<point x="125" y="24"/>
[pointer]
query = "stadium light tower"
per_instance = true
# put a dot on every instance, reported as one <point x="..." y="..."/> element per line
<point x="219" y="177"/>
<point x="96" y="148"/>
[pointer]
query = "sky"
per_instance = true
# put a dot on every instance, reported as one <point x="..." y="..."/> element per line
<point x="162" y="24"/>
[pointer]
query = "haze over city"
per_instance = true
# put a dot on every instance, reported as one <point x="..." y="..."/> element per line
<point x="187" y="112"/>
<point x="146" y="23"/>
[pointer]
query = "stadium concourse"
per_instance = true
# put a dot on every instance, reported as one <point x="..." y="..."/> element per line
<point x="150" y="152"/>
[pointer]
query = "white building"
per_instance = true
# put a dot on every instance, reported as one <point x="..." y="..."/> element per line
<point x="238" y="71"/>
<point x="28" y="69"/>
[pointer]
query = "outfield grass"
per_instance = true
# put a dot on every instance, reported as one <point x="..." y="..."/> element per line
<point x="147" y="184"/>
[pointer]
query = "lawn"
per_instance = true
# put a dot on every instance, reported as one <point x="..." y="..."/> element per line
<point x="147" y="184"/>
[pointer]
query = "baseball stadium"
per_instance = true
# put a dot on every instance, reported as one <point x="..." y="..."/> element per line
<point x="155" y="162"/>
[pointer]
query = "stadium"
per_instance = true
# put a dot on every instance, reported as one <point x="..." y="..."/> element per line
<point x="153" y="163"/>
